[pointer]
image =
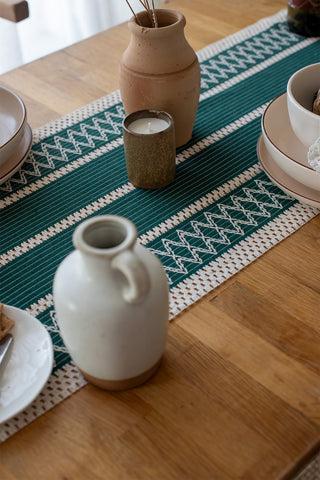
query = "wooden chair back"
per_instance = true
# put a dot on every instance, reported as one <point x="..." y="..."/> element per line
<point x="14" y="10"/>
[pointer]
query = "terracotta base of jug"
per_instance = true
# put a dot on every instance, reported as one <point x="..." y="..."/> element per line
<point x="126" y="384"/>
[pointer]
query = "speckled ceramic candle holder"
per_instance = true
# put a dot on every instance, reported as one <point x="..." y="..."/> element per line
<point x="150" y="157"/>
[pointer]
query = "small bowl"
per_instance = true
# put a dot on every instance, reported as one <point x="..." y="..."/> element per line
<point x="284" y="147"/>
<point x="13" y="119"/>
<point x="301" y="88"/>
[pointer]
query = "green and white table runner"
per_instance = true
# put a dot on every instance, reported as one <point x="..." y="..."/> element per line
<point x="221" y="212"/>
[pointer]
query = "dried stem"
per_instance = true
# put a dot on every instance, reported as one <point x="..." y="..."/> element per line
<point x="154" y="15"/>
<point x="150" y="11"/>
<point x="146" y="5"/>
<point x="143" y="3"/>
<point x="135" y="16"/>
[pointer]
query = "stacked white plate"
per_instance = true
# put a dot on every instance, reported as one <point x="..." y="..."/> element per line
<point x="284" y="158"/>
<point x="15" y="133"/>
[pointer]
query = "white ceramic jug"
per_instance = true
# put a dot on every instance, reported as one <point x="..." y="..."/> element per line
<point x="111" y="299"/>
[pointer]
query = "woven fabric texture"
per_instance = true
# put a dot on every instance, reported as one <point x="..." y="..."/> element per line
<point x="220" y="213"/>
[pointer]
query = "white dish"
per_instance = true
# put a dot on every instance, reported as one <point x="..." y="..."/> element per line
<point x="30" y="364"/>
<point x="283" y="145"/>
<point x="13" y="119"/>
<point x="286" y="183"/>
<point x="14" y="162"/>
<point x="301" y="87"/>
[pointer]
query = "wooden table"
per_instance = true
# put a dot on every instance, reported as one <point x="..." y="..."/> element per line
<point x="237" y="396"/>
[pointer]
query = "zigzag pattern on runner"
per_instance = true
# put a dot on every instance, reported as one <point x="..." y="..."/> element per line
<point x="72" y="143"/>
<point x="245" y="55"/>
<point x="102" y="129"/>
<point x="217" y="225"/>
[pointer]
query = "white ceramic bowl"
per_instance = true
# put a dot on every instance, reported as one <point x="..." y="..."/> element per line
<point x="284" y="147"/>
<point x="301" y="88"/>
<point x="13" y="119"/>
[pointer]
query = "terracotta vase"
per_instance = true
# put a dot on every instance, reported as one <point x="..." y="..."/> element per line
<point x="112" y="304"/>
<point x="160" y="71"/>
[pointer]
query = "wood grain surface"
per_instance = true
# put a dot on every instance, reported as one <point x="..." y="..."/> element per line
<point x="237" y="395"/>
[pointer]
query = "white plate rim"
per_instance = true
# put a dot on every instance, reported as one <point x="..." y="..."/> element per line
<point x="269" y="107"/>
<point x="6" y="413"/>
<point x="297" y="195"/>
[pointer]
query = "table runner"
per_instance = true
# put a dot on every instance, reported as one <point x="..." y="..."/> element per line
<point x="221" y="212"/>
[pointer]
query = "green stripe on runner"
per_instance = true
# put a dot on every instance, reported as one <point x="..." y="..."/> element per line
<point x="196" y="176"/>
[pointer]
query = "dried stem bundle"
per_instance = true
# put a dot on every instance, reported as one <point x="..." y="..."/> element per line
<point x="150" y="11"/>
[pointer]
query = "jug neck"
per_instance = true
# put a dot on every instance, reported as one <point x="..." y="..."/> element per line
<point x="101" y="238"/>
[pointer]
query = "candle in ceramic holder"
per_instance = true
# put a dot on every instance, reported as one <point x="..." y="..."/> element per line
<point x="148" y="125"/>
<point x="149" y="145"/>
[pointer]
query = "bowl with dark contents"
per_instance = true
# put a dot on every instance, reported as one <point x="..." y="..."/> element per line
<point x="316" y="103"/>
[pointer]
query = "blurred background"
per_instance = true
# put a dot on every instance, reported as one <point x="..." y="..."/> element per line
<point x="55" y="24"/>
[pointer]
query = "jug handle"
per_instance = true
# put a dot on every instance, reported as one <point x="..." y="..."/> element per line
<point x="130" y="265"/>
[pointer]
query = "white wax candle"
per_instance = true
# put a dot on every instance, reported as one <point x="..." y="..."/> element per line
<point x="148" y="125"/>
